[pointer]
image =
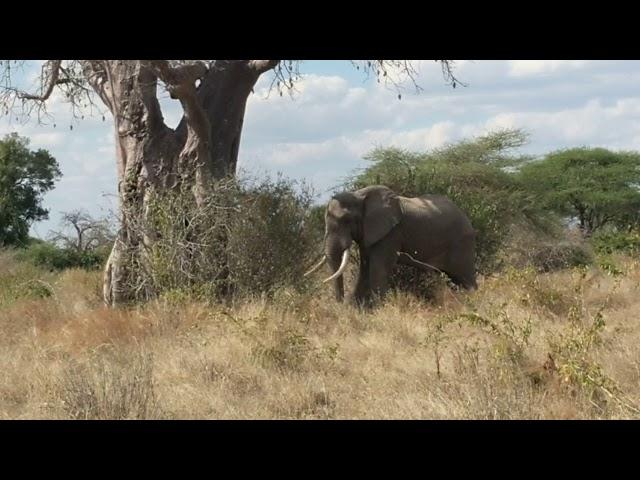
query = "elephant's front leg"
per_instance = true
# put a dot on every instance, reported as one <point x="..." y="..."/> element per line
<point x="380" y="262"/>
<point x="362" y="288"/>
<point x="382" y="265"/>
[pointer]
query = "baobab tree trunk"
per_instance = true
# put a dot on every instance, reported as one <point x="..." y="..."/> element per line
<point x="151" y="157"/>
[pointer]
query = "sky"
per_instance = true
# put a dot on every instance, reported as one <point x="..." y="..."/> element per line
<point x="337" y="115"/>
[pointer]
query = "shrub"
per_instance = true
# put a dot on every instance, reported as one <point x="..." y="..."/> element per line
<point x="548" y="258"/>
<point x="19" y="279"/>
<point x="48" y="255"/>
<point x="245" y="238"/>
<point x="612" y="241"/>
<point x="270" y="240"/>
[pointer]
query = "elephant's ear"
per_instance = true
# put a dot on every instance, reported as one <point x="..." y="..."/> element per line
<point x="382" y="213"/>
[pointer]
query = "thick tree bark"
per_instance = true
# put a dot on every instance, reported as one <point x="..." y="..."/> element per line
<point x="153" y="157"/>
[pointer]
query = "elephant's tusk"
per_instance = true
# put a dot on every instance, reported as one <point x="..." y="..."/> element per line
<point x="343" y="265"/>
<point x="324" y="259"/>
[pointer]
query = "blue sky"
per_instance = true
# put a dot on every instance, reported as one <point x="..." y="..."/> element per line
<point x="337" y="116"/>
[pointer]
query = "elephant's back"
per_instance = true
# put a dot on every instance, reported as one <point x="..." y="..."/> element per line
<point x="436" y="208"/>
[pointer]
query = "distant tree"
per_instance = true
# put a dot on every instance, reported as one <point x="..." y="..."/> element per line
<point x="595" y="186"/>
<point x="83" y="233"/>
<point x="25" y="176"/>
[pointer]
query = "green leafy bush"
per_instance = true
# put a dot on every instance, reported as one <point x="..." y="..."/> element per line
<point x="48" y="255"/>
<point x="613" y="241"/>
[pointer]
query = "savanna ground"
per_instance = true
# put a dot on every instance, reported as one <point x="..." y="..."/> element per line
<point x="559" y="345"/>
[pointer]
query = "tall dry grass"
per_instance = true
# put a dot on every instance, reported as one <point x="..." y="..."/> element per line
<point x="525" y="345"/>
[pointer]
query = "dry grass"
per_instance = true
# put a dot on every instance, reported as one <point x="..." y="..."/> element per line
<point x="525" y="345"/>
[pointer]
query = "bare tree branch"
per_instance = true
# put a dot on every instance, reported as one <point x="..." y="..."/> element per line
<point x="89" y="233"/>
<point x="95" y="72"/>
<point x="447" y="72"/>
<point x="50" y="75"/>
<point x="286" y="75"/>
<point x="66" y="76"/>
<point x="384" y="71"/>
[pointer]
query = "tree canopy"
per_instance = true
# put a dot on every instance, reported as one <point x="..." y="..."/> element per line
<point x="596" y="186"/>
<point x="25" y="176"/>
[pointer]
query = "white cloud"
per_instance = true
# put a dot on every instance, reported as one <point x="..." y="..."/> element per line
<point x="521" y="68"/>
<point x="616" y="125"/>
<point x="352" y="147"/>
<point x="47" y="140"/>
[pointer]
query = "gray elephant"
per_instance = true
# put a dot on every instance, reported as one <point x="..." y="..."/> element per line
<point x="428" y="232"/>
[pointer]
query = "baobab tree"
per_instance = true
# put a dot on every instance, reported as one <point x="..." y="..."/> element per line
<point x="150" y="156"/>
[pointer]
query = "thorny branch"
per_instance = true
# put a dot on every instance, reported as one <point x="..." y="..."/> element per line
<point x="391" y="72"/>
<point x="50" y="78"/>
<point x="67" y="76"/>
<point x="286" y="74"/>
<point x="95" y="71"/>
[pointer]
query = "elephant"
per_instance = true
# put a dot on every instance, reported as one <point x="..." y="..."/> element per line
<point x="428" y="232"/>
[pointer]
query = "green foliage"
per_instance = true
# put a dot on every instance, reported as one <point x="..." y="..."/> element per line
<point x="52" y="257"/>
<point x="25" y="176"/>
<point x="610" y="266"/>
<point x="516" y="336"/>
<point x="596" y="186"/>
<point x="572" y="357"/>
<point x="615" y="241"/>
<point x="473" y="174"/>
<point x="21" y="279"/>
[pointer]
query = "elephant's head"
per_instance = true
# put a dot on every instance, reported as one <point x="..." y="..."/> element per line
<point x="365" y="217"/>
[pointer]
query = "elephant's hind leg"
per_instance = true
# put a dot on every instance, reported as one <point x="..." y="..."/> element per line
<point x="466" y="281"/>
<point x="461" y="266"/>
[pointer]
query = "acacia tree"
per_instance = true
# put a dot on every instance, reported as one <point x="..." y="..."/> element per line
<point x="596" y="186"/>
<point x="150" y="156"/>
